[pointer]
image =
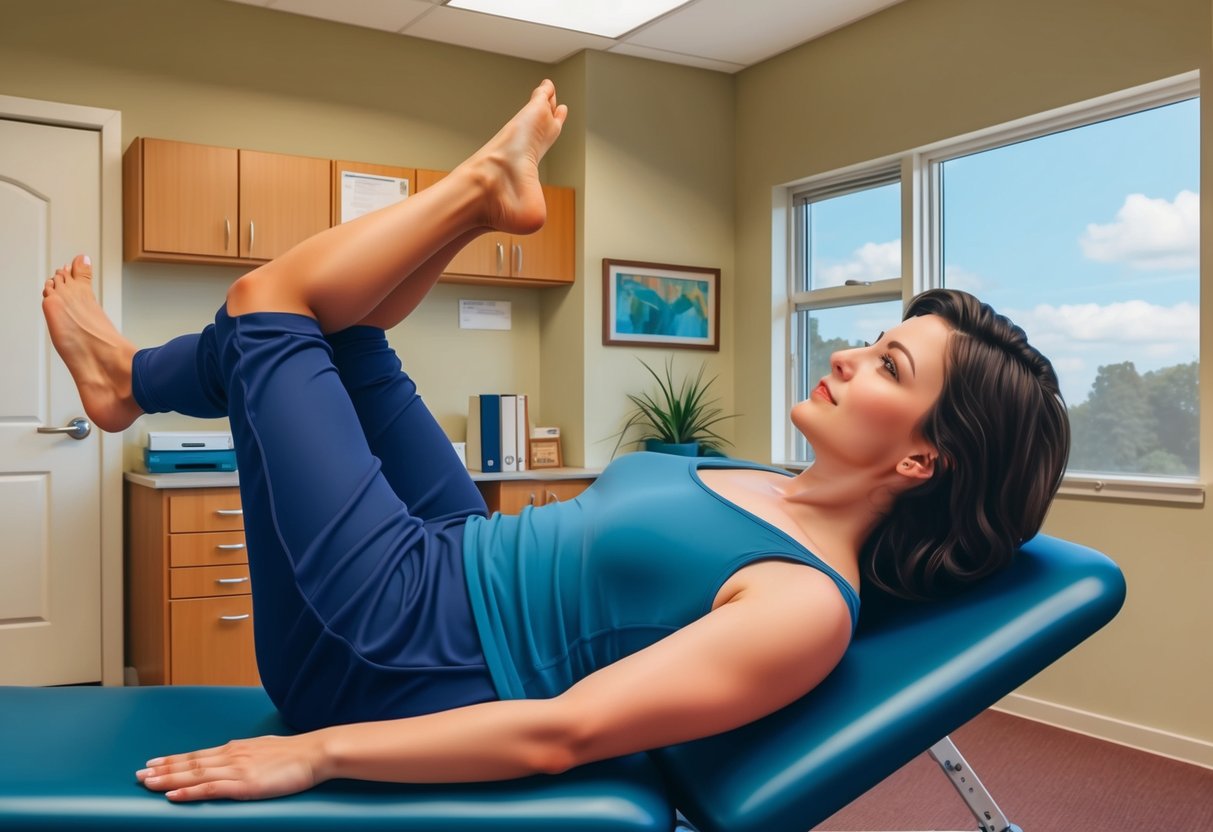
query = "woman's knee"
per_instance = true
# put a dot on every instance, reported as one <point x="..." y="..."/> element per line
<point x="264" y="290"/>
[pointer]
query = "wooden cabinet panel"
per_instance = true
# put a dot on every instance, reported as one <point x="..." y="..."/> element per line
<point x="207" y="549"/>
<point x="557" y="491"/>
<point x="547" y="257"/>
<point x="204" y="581"/>
<point x="192" y="203"/>
<point x="181" y="584"/>
<point x="207" y="510"/>
<point x="188" y="197"/>
<point x="212" y="641"/>
<point x="512" y="496"/>
<point x="549" y="254"/>
<point x="283" y="201"/>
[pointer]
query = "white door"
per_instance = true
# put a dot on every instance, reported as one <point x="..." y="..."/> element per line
<point x="50" y="512"/>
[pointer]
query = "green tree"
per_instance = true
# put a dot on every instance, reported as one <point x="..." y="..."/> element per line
<point x="1138" y="424"/>
<point x="1175" y="394"/>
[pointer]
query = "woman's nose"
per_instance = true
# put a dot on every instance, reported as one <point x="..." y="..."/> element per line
<point x="841" y="365"/>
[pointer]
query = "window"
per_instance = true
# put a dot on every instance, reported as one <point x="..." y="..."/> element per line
<point x="1081" y="225"/>
<point x="847" y="280"/>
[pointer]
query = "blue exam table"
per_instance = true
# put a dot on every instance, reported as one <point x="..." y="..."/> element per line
<point x="913" y="674"/>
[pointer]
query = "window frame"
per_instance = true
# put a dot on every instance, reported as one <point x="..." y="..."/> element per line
<point x="919" y="172"/>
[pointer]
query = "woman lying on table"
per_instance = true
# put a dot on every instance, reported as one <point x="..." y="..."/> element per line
<point x="413" y="639"/>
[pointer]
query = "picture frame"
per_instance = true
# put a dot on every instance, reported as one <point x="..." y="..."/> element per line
<point x="660" y="305"/>
<point x="545" y="453"/>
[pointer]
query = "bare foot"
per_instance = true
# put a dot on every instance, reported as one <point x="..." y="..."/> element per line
<point x="508" y="165"/>
<point x="96" y="354"/>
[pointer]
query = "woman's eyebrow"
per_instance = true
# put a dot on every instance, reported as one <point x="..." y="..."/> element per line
<point x="897" y="345"/>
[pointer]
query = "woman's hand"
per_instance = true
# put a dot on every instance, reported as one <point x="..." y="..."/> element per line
<point x="250" y="769"/>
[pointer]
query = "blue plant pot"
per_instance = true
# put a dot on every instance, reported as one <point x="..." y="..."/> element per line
<point x="682" y="449"/>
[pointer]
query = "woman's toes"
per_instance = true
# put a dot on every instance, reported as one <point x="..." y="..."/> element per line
<point x="82" y="266"/>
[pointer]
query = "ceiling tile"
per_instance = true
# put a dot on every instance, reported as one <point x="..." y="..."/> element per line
<point x="674" y="57"/>
<point x="388" y="15"/>
<point x="501" y="35"/>
<point x="750" y="31"/>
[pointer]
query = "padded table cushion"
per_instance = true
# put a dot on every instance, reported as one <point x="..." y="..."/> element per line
<point x="914" y="674"/>
<point x="68" y="758"/>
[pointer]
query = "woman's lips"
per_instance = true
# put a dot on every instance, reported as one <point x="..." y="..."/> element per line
<point x="823" y="392"/>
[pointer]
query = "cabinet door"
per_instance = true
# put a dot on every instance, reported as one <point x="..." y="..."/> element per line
<point x="212" y="641"/>
<point x="557" y="491"/>
<point x="283" y="201"/>
<point x="189" y="198"/>
<point x="549" y="254"/>
<point x="486" y="256"/>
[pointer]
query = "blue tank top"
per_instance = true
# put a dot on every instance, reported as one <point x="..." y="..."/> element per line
<point x="563" y="590"/>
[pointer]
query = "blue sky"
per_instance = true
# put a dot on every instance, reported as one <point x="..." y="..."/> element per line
<point x="1086" y="238"/>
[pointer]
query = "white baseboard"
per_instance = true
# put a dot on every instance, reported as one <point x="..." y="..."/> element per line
<point x="1175" y="746"/>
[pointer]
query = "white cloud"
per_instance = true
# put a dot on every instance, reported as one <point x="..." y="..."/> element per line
<point x="869" y="262"/>
<point x="1080" y="338"/>
<point x="1133" y="321"/>
<point x="1149" y="234"/>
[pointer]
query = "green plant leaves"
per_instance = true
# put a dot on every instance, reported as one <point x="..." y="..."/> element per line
<point x="675" y="413"/>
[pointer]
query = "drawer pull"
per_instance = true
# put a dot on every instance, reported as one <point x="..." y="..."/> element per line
<point x="234" y="617"/>
<point x="227" y="547"/>
<point x="232" y="580"/>
<point x="230" y="512"/>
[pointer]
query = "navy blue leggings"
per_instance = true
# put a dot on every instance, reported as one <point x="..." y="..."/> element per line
<point x="354" y="507"/>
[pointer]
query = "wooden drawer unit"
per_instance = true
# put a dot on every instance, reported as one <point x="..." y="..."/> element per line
<point x="512" y="496"/>
<point x="189" y="610"/>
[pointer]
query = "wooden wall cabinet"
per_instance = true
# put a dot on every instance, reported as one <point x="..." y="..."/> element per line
<point x="512" y="496"/>
<point x="189" y="612"/>
<point x="547" y="257"/>
<point x="191" y="203"/>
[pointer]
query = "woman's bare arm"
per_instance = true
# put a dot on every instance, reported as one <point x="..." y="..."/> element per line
<point x="774" y="640"/>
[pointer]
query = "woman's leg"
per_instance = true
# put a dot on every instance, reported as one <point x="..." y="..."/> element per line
<point x="342" y="274"/>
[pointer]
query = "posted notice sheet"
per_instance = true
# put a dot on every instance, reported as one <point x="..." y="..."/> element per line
<point x="362" y="193"/>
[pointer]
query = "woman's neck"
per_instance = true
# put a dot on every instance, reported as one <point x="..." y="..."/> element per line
<point x="848" y="501"/>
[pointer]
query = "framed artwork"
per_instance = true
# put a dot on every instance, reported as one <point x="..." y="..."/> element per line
<point x="659" y="305"/>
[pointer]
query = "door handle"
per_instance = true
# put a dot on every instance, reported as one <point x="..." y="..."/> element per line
<point x="77" y="428"/>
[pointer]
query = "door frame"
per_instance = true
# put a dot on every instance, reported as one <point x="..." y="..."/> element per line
<point x="107" y="264"/>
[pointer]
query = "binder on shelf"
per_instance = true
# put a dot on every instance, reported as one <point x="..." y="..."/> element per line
<point x="524" y="457"/>
<point x="484" y="433"/>
<point x="509" y="432"/>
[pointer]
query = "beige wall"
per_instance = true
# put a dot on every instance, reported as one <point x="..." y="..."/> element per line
<point x="926" y="70"/>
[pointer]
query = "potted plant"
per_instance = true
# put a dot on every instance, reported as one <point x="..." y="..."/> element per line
<point x="677" y="419"/>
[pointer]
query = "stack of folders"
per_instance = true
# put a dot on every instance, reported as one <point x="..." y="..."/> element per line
<point x="498" y="430"/>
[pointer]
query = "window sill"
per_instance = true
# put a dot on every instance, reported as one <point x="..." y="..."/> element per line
<point x="1135" y="489"/>
<point x="1126" y="489"/>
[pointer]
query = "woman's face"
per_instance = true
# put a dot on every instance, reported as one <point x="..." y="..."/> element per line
<point x="867" y="411"/>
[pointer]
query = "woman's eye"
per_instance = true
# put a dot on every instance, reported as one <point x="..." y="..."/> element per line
<point x="889" y="364"/>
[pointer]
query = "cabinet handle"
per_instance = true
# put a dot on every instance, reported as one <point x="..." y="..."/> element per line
<point x="500" y="258"/>
<point x="518" y="258"/>
<point x="552" y="498"/>
<point x="227" y="233"/>
<point x="252" y="235"/>
<point x="531" y="500"/>
<point x="229" y="546"/>
<point x="231" y="580"/>
<point x="234" y="617"/>
<point x="229" y="512"/>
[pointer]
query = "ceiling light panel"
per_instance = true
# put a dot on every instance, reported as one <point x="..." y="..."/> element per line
<point x="608" y="19"/>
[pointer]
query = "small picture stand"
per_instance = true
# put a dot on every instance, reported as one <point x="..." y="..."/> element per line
<point x="545" y="453"/>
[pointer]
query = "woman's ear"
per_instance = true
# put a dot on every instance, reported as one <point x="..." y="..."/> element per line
<point x="918" y="466"/>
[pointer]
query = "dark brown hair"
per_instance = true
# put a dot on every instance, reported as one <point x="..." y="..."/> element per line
<point x="1003" y="437"/>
